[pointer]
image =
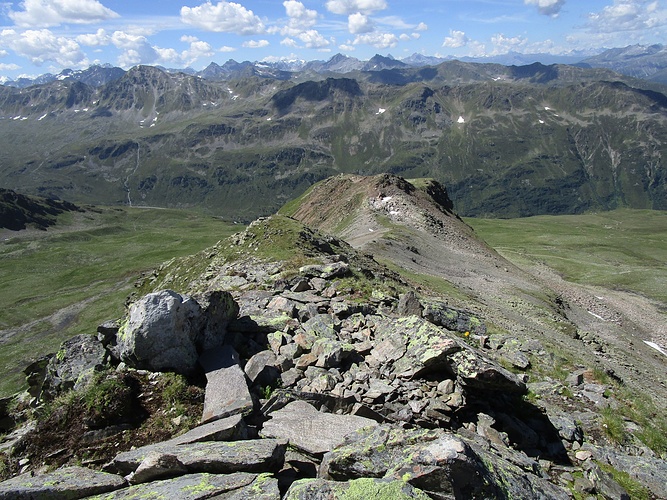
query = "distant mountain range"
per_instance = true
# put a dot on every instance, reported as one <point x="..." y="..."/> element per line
<point x="506" y="140"/>
<point x="639" y="61"/>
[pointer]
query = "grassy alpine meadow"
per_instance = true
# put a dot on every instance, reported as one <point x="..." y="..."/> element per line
<point x="64" y="281"/>
<point x="623" y="249"/>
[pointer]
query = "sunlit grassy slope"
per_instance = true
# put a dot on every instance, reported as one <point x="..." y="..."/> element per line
<point x="622" y="249"/>
<point x="58" y="283"/>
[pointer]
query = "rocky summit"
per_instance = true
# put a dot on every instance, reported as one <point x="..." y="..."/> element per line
<point x="324" y="373"/>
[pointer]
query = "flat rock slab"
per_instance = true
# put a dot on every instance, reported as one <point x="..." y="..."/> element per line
<point x="366" y="488"/>
<point x="257" y="455"/>
<point x="67" y="483"/>
<point x="199" y="486"/>
<point x="224" y="429"/>
<point x="227" y="391"/>
<point x="310" y="430"/>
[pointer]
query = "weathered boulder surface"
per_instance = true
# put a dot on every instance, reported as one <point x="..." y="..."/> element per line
<point x="162" y="332"/>
<point x="310" y="430"/>
<point x="415" y="346"/>
<point x="436" y="461"/>
<point x="362" y="488"/>
<point x="258" y="455"/>
<point x="238" y="486"/>
<point x="67" y="483"/>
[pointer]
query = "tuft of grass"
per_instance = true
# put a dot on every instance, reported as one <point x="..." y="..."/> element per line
<point x="614" y="425"/>
<point x="634" y="488"/>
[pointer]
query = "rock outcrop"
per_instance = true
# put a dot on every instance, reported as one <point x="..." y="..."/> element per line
<point x="327" y="379"/>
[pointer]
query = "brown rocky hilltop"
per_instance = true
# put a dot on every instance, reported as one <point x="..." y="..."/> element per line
<point x="362" y="343"/>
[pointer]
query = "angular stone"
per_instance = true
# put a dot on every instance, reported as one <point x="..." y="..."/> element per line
<point x="237" y="486"/>
<point x="226" y="388"/>
<point x="516" y="358"/>
<point x="157" y="466"/>
<point x="567" y="427"/>
<point x="320" y="326"/>
<point x="456" y="320"/>
<point x="435" y="461"/>
<point x="330" y="353"/>
<point x="427" y="347"/>
<point x="325" y="271"/>
<point x="219" y="309"/>
<point x="258" y="455"/>
<point x="481" y="373"/>
<point x="224" y="429"/>
<point x="409" y="305"/>
<point x="261" y="368"/>
<point x="310" y="430"/>
<point x="362" y="488"/>
<point x="283" y="305"/>
<point x="66" y="483"/>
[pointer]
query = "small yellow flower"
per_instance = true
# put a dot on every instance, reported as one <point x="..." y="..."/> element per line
<point x="467" y="334"/>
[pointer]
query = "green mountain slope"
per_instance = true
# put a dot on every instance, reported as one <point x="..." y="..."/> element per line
<point x="507" y="141"/>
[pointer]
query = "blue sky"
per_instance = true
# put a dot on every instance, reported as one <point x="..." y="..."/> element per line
<point x="40" y="36"/>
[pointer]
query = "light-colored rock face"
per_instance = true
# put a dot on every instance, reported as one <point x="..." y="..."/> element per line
<point x="310" y="430"/>
<point x="161" y="333"/>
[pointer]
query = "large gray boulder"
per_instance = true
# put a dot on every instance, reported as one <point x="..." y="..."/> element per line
<point x="162" y="333"/>
<point x="438" y="462"/>
<point x="432" y="460"/>
<point x="68" y="484"/>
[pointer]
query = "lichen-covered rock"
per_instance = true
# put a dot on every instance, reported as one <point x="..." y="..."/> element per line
<point x="67" y="484"/>
<point x="235" y="486"/>
<point x="456" y="320"/>
<point x="433" y="460"/>
<point x="420" y="346"/>
<point x="162" y="333"/>
<point x="362" y="488"/>
<point x="73" y="365"/>
<point x="440" y="463"/>
<point x="478" y="372"/>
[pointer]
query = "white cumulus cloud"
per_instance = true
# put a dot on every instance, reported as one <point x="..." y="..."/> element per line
<point x="256" y="44"/>
<point x="455" y="39"/>
<point x="547" y="7"/>
<point x="344" y="7"/>
<point x="628" y="15"/>
<point x="45" y="13"/>
<point x="136" y="49"/>
<point x="227" y="17"/>
<point x="40" y="46"/>
<point x="377" y="40"/>
<point x="503" y="44"/>
<point x="97" y="39"/>
<point x="358" y="23"/>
